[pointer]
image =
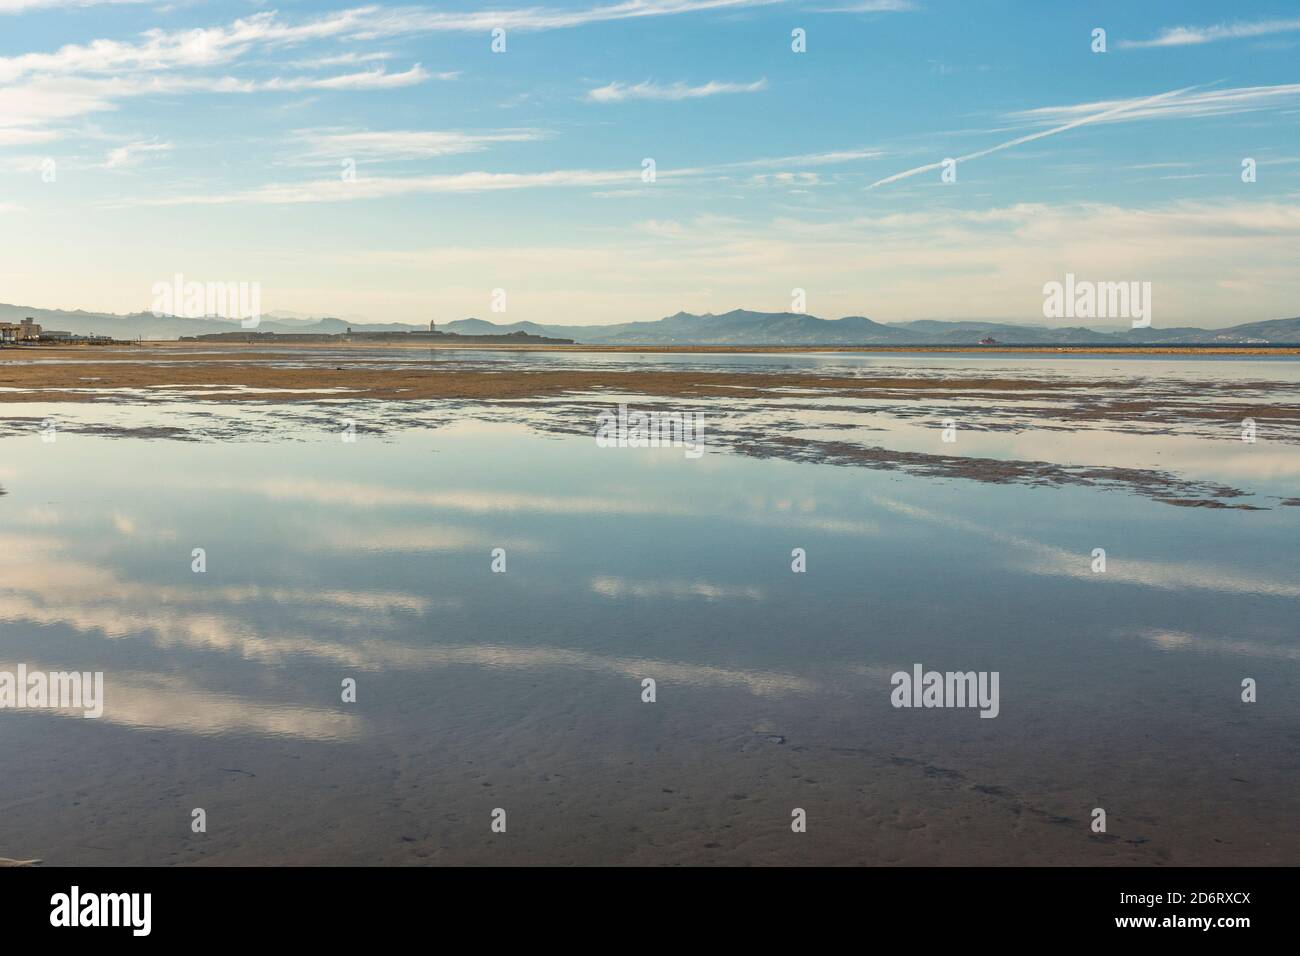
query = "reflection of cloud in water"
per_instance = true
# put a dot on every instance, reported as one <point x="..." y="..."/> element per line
<point x="1169" y="575"/>
<point x="365" y="496"/>
<point x="613" y="587"/>
<point x="1182" y="641"/>
<point x="170" y="628"/>
<point x="31" y="563"/>
<point x="532" y="658"/>
<point x="163" y="702"/>
<point x="131" y="527"/>
<point x="224" y="634"/>
<point x="359" y="495"/>
<point x="36" y="517"/>
<point x="65" y="593"/>
<point x="425" y="538"/>
<point x="41" y="589"/>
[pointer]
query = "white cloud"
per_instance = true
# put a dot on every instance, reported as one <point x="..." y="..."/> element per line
<point x="831" y="158"/>
<point x="618" y="92"/>
<point x="28" y="109"/>
<point x="406" y="144"/>
<point x="785" y="179"/>
<point x="1194" y="36"/>
<point x="874" y="6"/>
<point x="163" y="49"/>
<point x="160" y="50"/>
<point x="479" y="181"/>
<point x="339" y="59"/>
<point x="17" y="136"/>
<point x="368" y="80"/>
<point x="386" y="23"/>
<point x="1190" y="102"/>
<point x="132" y="154"/>
<point x="376" y="187"/>
<point x="39" y="88"/>
<point x="24" y="6"/>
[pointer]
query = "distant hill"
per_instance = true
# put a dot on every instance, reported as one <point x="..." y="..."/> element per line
<point x="742" y="327"/>
<point x="148" y="326"/>
<point x="737" y="327"/>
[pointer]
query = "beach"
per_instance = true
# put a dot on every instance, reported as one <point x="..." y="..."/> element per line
<point x="350" y="504"/>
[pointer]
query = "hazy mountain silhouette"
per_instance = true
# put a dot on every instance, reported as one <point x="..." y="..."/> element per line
<point x="737" y="327"/>
<point x="743" y="327"/>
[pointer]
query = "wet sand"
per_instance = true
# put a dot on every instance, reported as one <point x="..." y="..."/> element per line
<point x="303" y="373"/>
<point x="522" y="692"/>
<point x="112" y="351"/>
<point x="566" y="398"/>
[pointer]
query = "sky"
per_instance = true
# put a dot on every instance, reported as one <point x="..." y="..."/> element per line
<point x="384" y="162"/>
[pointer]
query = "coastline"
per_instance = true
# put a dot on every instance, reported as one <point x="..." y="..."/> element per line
<point x="1149" y="350"/>
<point x="235" y="374"/>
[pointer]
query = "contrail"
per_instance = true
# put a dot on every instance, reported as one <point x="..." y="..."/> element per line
<point x="1096" y="117"/>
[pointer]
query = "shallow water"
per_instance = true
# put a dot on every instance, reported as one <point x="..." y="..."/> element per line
<point x="372" y="559"/>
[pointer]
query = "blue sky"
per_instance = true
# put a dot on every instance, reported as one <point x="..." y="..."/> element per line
<point x="210" y="139"/>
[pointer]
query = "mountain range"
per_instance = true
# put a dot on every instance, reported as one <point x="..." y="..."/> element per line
<point x="742" y="327"/>
<point x="737" y="327"/>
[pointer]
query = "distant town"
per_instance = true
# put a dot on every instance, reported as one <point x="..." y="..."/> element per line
<point x="28" y="332"/>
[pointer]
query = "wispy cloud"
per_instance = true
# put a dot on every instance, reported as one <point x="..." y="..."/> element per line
<point x="379" y="79"/>
<point x="38" y="89"/>
<point x="132" y="154"/>
<point x="874" y="6"/>
<point x="339" y="59"/>
<point x="1106" y="114"/>
<point x="1186" y="103"/>
<point x="618" y="92"/>
<point x="376" y="187"/>
<point x="159" y="50"/>
<point x="480" y="181"/>
<point x="24" y="6"/>
<point x="18" y="136"/>
<point x="217" y="44"/>
<point x="1193" y="36"/>
<point x="30" y="110"/>
<point x="162" y="50"/>
<point x="384" y="23"/>
<point x="406" y="144"/>
<point x="829" y="158"/>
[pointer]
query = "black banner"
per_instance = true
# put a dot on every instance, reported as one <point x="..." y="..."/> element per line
<point x="333" y="905"/>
